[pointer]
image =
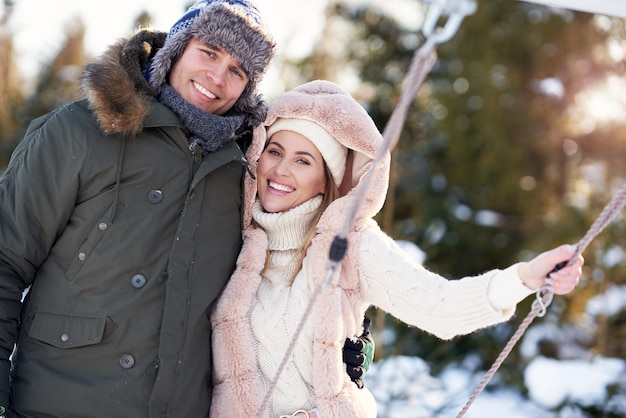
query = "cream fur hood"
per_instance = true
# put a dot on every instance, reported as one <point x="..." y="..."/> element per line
<point x="333" y="108"/>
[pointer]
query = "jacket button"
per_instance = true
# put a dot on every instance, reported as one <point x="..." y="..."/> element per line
<point x="127" y="361"/>
<point x="102" y="226"/>
<point x="65" y="337"/>
<point x="155" y="196"/>
<point x="82" y="256"/>
<point x="138" y="281"/>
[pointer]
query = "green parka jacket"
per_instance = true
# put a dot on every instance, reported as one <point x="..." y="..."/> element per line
<point x="125" y="239"/>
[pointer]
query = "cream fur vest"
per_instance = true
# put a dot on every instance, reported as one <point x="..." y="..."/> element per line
<point x="337" y="314"/>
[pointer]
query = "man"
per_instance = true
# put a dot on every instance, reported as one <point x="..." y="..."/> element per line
<point x="121" y="214"/>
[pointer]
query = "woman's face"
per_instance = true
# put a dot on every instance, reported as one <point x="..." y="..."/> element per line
<point x="290" y="172"/>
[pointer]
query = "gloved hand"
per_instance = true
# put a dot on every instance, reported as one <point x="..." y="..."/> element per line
<point x="358" y="354"/>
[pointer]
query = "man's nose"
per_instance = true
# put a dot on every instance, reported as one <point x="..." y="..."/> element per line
<point x="217" y="73"/>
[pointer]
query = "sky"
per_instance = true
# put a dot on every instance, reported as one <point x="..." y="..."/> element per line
<point x="39" y="25"/>
<point x="295" y="24"/>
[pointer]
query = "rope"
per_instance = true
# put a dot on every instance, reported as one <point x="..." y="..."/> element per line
<point x="545" y="293"/>
<point x="422" y="62"/>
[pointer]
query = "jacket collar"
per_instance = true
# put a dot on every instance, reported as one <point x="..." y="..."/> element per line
<point x="116" y="89"/>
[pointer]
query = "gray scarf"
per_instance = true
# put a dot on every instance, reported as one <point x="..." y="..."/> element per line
<point x="207" y="131"/>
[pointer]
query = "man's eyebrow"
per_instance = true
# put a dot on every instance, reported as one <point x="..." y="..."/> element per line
<point x="222" y="50"/>
<point x="212" y="46"/>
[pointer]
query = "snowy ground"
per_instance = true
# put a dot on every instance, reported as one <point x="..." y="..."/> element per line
<point x="404" y="387"/>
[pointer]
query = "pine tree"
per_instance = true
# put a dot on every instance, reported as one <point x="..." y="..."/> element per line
<point x="484" y="170"/>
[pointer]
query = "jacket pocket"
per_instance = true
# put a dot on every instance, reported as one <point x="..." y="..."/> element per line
<point x="67" y="331"/>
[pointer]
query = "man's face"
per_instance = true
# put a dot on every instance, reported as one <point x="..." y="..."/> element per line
<point x="208" y="77"/>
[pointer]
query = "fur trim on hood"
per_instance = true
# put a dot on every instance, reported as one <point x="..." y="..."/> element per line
<point x="115" y="86"/>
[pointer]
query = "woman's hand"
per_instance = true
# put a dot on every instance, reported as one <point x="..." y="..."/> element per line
<point x="534" y="272"/>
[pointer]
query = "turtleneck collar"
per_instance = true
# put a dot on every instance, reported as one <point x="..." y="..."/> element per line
<point x="286" y="230"/>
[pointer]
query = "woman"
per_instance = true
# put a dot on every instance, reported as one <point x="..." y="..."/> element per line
<point x="320" y="144"/>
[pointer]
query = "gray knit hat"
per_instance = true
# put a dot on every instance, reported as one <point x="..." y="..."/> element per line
<point x="234" y="25"/>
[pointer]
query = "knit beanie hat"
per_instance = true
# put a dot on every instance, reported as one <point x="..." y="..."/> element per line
<point x="332" y="151"/>
<point x="235" y="26"/>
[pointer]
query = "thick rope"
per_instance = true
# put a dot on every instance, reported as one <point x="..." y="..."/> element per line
<point x="545" y="294"/>
<point x="422" y="62"/>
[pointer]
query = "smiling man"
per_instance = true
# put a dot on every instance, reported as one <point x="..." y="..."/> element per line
<point x="208" y="77"/>
<point x="122" y="215"/>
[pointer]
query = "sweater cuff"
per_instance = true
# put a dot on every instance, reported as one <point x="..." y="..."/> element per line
<point x="506" y="289"/>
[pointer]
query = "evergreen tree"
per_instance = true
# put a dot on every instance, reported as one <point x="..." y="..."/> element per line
<point x="57" y="81"/>
<point x="484" y="171"/>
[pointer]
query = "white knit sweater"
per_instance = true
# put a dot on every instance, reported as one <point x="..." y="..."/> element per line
<point x="278" y="307"/>
<point x="392" y="281"/>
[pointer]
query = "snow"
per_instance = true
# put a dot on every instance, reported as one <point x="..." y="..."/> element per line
<point x="570" y="387"/>
<point x="609" y="303"/>
<point x="552" y="382"/>
<point x="403" y="387"/>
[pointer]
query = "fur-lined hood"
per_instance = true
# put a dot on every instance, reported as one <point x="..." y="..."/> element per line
<point x="334" y="109"/>
<point x="118" y="92"/>
<point x="115" y="86"/>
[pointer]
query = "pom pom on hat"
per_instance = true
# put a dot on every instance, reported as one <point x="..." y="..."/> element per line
<point x="332" y="151"/>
